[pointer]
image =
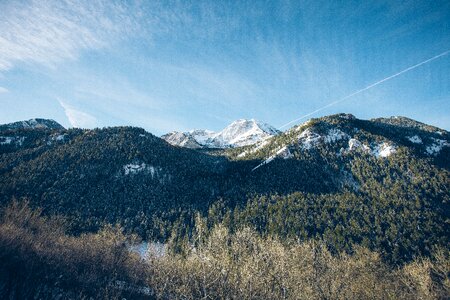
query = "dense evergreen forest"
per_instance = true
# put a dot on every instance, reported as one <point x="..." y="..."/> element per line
<point x="357" y="194"/>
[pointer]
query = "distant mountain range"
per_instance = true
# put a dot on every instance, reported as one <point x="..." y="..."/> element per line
<point x="239" y="133"/>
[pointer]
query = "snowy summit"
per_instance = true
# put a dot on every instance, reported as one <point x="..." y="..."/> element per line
<point x="240" y="133"/>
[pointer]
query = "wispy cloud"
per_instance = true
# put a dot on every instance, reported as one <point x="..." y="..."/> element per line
<point x="3" y="90"/>
<point x="47" y="32"/>
<point x="76" y="117"/>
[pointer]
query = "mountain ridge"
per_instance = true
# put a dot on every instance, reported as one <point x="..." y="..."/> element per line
<point x="35" y="123"/>
<point x="396" y="131"/>
<point x="242" y="132"/>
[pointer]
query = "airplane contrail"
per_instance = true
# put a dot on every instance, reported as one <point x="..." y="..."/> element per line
<point x="366" y="88"/>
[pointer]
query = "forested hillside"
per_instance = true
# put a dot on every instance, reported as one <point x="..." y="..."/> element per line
<point x="382" y="183"/>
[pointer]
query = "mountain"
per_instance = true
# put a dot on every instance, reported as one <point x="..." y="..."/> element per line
<point x="32" y="124"/>
<point x="344" y="135"/>
<point x="11" y="141"/>
<point x="239" y="133"/>
<point x="182" y="139"/>
<point x="382" y="182"/>
<point x="242" y="133"/>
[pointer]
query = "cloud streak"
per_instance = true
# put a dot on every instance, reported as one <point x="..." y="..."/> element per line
<point x="47" y="32"/>
<point x="76" y="117"/>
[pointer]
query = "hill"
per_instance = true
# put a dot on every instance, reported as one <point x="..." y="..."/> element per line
<point x="32" y="124"/>
<point x="382" y="183"/>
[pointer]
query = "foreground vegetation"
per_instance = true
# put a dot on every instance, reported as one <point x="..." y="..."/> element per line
<point x="38" y="259"/>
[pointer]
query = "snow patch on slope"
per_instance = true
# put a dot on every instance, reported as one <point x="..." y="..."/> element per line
<point x="335" y="135"/>
<point x="60" y="137"/>
<point x="354" y="145"/>
<point x="136" y="168"/>
<point x="8" y="140"/>
<point x="141" y="168"/>
<point x="415" y="139"/>
<point x="57" y="138"/>
<point x="242" y="154"/>
<point x="383" y="150"/>
<point x="436" y="147"/>
<point x="309" y="139"/>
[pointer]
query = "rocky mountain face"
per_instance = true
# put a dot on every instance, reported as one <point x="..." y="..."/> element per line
<point x="182" y="139"/>
<point x="239" y="133"/>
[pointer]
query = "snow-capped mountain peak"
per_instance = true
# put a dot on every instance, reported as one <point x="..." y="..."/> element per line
<point x="202" y="135"/>
<point x="242" y="132"/>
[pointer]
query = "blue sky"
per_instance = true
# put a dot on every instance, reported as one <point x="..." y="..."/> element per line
<point x="179" y="65"/>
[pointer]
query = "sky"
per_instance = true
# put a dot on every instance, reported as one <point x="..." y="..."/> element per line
<point x="180" y="65"/>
